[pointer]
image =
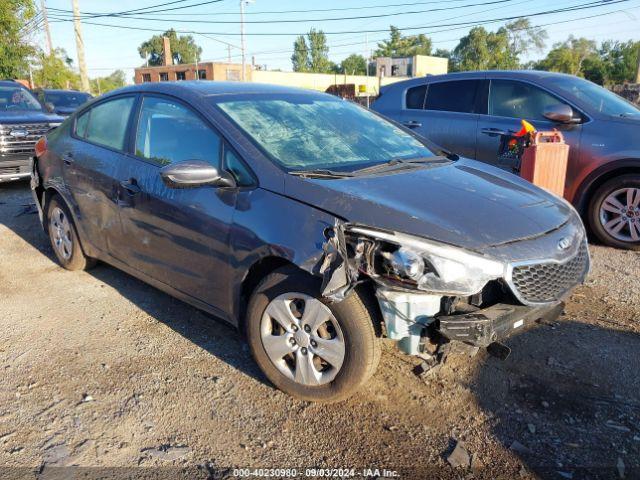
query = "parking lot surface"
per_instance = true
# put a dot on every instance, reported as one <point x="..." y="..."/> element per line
<point x="102" y="370"/>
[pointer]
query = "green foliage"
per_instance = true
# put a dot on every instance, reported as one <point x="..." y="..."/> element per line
<point x="401" y="46"/>
<point x="102" y="85"/>
<point x="54" y="71"/>
<point x="183" y="48"/>
<point x="524" y="37"/>
<point x="15" y="17"/>
<point x="569" y="56"/>
<point x="354" y="65"/>
<point x="300" y="57"/>
<point x="483" y="50"/>
<point x="312" y="54"/>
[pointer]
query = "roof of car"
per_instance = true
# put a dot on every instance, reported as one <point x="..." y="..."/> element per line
<point x="11" y="83"/>
<point x="60" y="90"/>
<point x="208" y="88"/>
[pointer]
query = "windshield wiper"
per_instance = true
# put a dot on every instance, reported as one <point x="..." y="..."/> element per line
<point x="321" y="173"/>
<point x="399" y="163"/>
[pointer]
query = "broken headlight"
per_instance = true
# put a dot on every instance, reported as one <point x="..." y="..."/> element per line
<point x="412" y="262"/>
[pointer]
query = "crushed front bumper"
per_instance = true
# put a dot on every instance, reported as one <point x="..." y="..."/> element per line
<point x="498" y="322"/>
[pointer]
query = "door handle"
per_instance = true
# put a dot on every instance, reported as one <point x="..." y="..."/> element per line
<point x="494" y="132"/>
<point x="412" y="124"/>
<point x="131" y="186"/>
<point x="67" y="158"/>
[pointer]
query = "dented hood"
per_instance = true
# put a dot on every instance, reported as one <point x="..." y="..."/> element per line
<point x="464" y="203"/>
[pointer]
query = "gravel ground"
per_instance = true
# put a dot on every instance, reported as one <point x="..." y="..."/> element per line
<point x="104" y="372"/>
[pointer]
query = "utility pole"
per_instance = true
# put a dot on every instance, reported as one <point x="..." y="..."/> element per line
<point x="228" y="53"/>
<point x="82" y="65"/>
<point x="242" y="45"/>
<point x="45" y="17"/>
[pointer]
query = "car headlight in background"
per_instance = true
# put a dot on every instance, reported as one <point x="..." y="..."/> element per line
<point x="425" y="265"/>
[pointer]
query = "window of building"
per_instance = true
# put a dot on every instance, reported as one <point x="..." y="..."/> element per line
<point x="106" y="123"/>
<point x="457" y="96"/>
<point x="164" y="76"/>
<point x="146" y="77"/>
<point x="415" y="97"/>
<point x="233" y="74"/>
<point x="514" y="99"/>
<point x="202" y="74"/>
<point x="169" y="132"/>
<point x="395" y="70"/>
<point x="181" y="75"/>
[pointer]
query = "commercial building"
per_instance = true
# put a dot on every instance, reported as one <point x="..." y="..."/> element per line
<point x="415" y="66"/>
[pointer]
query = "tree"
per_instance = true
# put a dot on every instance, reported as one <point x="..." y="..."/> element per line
<point x="183" y="48"/>
<point x="16" y="17"/>
<point x="318" y="52"/>
<point x="110" y="82"/>
<point x="300" y="57"/>
<point x="570" y="56"/>
<point x="619" y="61"/>
<point x="401" y="46"/>
<point x="54" y="71"/>
<point x="524" y="37"/>
<point x="483" y="50"/>
<point x="312" y="54"/>
<point x="354" y="65"/>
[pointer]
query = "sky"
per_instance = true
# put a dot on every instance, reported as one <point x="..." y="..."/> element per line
<point x="110" y="48"/>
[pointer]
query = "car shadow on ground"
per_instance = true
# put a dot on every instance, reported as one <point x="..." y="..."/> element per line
<point x="204" y="330"/>
<point x="567" y="400"/>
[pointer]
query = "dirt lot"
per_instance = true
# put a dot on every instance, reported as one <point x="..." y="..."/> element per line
<point x="101" y="370"/>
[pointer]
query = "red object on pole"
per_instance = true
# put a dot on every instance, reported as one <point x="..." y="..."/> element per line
<point x="544" y="162"/>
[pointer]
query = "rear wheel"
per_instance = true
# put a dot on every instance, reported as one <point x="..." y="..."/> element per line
<point x="64" y="238"/>
<point x="308" y="348"/>
<point x="614" y="212"/>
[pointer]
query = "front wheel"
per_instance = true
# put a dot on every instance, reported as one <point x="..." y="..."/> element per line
<point x="307" y="348"/>
<point x="614" y="212"/>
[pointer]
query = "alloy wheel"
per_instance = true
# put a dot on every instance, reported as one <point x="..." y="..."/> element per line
<point x="620" y="214"/>
<point x="60" y="231"/>
<point x="303" y="339"/>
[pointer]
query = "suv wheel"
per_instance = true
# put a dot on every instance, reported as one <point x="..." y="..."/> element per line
<point x="307" y="348"/>
<point x="64" y="238"/>
<point x="614" y="212"/>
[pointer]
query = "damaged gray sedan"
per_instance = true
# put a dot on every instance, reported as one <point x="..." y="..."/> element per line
<point x="311" y="224"/>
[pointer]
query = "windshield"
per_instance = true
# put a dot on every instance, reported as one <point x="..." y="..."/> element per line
<point x="17" y="98"/>
<point x="303" y="132"/>
<point x="66" y="99"/>
<point x="596" y="97"/>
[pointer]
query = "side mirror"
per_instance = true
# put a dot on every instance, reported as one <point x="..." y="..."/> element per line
<point x="50" y="107"/>
<point x="194" y="173"/>
<point x="561" y="113"/>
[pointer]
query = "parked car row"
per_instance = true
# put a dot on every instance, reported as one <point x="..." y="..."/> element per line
<point x="465" y="113"/>
<point x="24" y="117"/>
<point x="308" y="222"/>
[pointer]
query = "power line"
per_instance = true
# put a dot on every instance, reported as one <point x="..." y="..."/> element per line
<point x="584" y="6"/>
<point x="128" y="12"/>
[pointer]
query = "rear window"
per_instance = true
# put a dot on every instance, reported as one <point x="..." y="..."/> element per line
<point x="456" y="96"/>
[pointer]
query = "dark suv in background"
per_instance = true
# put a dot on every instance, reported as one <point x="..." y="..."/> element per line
<point x="465" y="112"/>
<point x="23" y="120"/>
<point x="62" y="102"/>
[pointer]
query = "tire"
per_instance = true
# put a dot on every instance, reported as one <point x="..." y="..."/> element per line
<point x="355" y="329"/>
<point x="613" y="195"/>
<point x="64" y="237"/>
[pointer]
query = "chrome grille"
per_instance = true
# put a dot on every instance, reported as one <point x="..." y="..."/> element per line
<point x="549" y="281"/>
<point x="21" y="146"/>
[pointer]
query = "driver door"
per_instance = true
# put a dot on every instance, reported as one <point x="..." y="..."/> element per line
<point x="511" y="101"/>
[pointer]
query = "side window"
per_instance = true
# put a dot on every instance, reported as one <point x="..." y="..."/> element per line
<point x="237" y="168"/>
<point x="168" y="132"/>
<point x="107" y="122"/>
<point x="455" y="96"/>
<point x="82" y="122"/>
<point x="415" y="97"/>
<point x="508" y="98"/>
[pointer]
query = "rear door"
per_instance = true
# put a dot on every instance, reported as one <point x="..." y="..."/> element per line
<point x="92" y="159"/>
<point x="177" y="236"/>
<point x="447" y="114"/>
<point x="510" y="101"/>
